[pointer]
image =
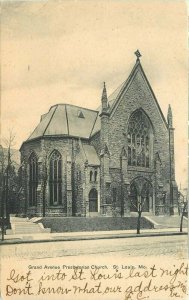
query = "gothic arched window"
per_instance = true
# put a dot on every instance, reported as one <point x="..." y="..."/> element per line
<point x="33" y="180"/>
<point x="138" y="139"/>
<point x="55" y="178"/>
<point x="95" y="176"/>
<point x="91" y="175"/>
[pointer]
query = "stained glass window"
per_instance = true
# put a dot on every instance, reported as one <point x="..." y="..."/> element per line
<point x="55" y="178"/>
<point x="138" y="139"/>
<point x="33" y="180"/>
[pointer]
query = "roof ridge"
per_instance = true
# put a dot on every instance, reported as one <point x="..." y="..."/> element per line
<point x="68" y="104"/>
<point x="93" y="125"/>
<point x="130" y="77"/>
<point x="49" y="121"/>
<point x="154" y="96"/>
<point x="125" y="83"/>
<point x="119" y="88"/>
<point x="110" y="96"/>
<point x="67" y="120"/>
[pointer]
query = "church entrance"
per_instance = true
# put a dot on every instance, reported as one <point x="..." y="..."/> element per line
<point x="140" y="192"/>
<point x="93" y="201"/>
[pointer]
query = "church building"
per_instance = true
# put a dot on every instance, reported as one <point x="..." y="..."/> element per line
<point x="104" y="162"/>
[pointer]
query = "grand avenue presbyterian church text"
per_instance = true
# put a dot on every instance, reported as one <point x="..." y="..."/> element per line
<point x="104" y="162"/>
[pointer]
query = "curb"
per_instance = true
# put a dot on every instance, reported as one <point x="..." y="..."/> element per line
<point x="83" y="238"/>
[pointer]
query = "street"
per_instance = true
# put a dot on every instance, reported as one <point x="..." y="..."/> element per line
<point x="175" y="246"/>
<point x="101" y="256"/>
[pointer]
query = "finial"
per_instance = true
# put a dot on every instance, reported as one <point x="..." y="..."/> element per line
<point x="138" y="55"/>
<point x="104" y="98"/>
<point x="104" y="93"/>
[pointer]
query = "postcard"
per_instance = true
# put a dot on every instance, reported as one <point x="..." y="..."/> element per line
<point x="93" y="150"/>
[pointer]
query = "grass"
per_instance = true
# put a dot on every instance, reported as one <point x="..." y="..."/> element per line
<point x="79" y="224"/>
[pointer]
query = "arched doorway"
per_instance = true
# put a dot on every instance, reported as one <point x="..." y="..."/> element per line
<point x="145" y="195"/>
<point x="140" y="192"/>
<point x="133" y="197"/>
<point x="93" y="201"/>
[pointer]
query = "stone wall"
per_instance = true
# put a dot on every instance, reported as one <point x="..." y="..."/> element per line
<point x="43" y="149"/>
<point x="137" y="96"/>
<point x="114" y="174"/>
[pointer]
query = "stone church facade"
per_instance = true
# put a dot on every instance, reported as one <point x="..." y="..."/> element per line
<point x="104" y="162"/>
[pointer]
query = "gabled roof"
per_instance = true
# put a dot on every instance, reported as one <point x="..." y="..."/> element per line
<point x="114" y="98"/>
<point x="91" y="155"/>
<point x="66" y="119"/>
<point x="70" y="120"/>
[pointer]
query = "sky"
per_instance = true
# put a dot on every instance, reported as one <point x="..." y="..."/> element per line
<point x="62" y="52"/>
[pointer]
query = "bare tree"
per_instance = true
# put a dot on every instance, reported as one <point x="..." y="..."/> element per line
<point x="139" y="208"/>
<point x="2" y="189"/>
<point x="7" y="172"/>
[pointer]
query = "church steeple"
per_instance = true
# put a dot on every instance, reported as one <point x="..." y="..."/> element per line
<point x="170" y="117"/>
<point x="104" y="99"/>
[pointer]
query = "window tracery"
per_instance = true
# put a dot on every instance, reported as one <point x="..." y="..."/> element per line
<point x="55" y="178"/>
<point x="138" y="139"/>
<point x="33" y="179"/>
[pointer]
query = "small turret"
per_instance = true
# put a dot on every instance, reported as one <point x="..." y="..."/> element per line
<point x="104" y="99"/>
<point x="170" y="117"/>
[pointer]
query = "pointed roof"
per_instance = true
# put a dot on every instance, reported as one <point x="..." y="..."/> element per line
<point x="66" y="120"/>
<point x="70" y="120"/>
<point x="104" y="93"/>
<point x="91" y="155"/>
<point x="137" y="67"/>
<point x="115" y="97"/>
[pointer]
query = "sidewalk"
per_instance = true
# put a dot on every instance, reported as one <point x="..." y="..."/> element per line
<point x="90" y="235"/>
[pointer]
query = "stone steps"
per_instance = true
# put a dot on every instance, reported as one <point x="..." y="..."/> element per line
<point x="25" y="226"/>
<point x="167" y="221"/>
